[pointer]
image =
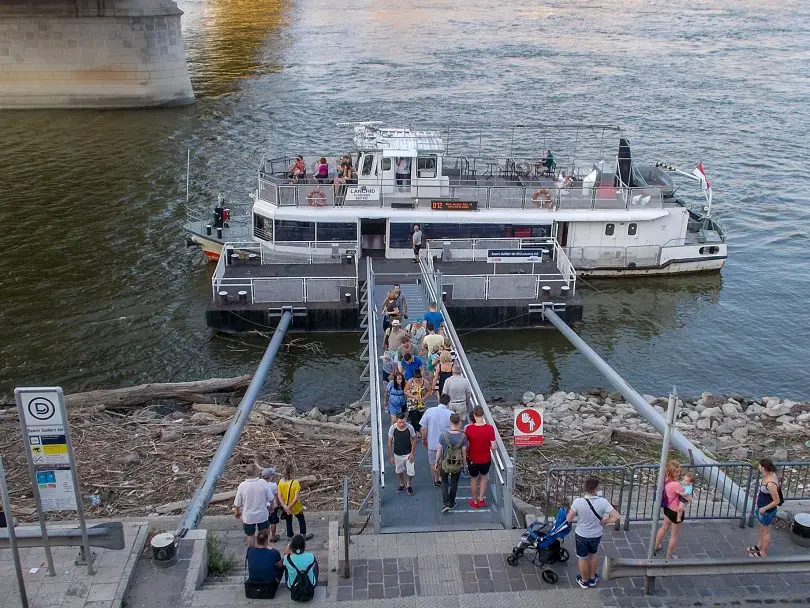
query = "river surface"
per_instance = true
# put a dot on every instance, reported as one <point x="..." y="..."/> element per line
<point x="99" y="290"/>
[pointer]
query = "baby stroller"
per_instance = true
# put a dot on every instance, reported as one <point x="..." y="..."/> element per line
<point x="546" y="542"/>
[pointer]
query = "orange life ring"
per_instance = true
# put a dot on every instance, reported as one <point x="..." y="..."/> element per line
<point x="542" y="198"/>
<point x="316" y="198"/>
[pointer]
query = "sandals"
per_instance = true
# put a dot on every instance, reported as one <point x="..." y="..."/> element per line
<point x="752" y="549"/>
<point x="754" y="553"/>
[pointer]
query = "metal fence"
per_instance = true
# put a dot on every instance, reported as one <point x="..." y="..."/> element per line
<point x="564" y="484"/>
<point x="519" y="194"/>
<point x="708" y="501"/>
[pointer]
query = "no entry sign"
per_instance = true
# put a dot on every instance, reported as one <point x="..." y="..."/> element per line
<point x="528" y="427"/>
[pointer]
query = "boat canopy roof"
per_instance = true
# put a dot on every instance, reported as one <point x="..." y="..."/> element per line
<point x="397" y="142"/>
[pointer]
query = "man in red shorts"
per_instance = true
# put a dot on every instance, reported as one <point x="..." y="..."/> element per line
<point x="481" y="439"/>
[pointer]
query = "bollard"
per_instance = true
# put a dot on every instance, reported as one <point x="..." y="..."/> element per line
<point x="242" y="296"/>
<point x="253" y="258"/>
<point x="546" y="292"/>
<point x="565" y="291"/>
<point x="347" y="297"/>
<point x="235" y="258"/>
<point x="208" y="230"/>
<point x="164" y="550"/>
<point x="223" y="297"/>
<point x="219" y="233"/>
<point x="444" y="296"/>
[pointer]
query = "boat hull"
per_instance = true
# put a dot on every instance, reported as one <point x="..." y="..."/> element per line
<point x="211" y="249"/>
<point x="671" y="268"/>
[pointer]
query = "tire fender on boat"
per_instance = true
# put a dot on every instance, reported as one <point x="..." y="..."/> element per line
<point x="542" y="198"/>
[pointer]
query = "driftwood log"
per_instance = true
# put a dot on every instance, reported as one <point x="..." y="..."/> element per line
<point x="143" y="393"/>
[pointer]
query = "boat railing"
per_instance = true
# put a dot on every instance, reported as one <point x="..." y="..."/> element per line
<point x="477" y="250"/>
<point x="523" y="195"/>
<point x="615" y="257"/>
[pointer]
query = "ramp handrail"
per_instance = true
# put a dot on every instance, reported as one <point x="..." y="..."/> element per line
<point x="205" y="491"/>
<point x="375" y="413"/>
<point x="504" y="466"/>
<point x="617" y="567"/>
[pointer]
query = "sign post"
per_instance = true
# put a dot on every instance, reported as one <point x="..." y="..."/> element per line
<point x="12" y="537"/>
<point x="49" y="450"/>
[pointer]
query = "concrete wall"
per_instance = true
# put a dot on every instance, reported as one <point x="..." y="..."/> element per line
<point x="92" y="54"/>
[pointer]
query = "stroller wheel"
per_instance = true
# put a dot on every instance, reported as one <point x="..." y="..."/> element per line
<point x="550" y="577"/>
<point x="564" y="555"/>
<point x="512" y="560"/>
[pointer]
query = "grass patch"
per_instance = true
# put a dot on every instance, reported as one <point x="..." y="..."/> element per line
<point x="220" y="561"/>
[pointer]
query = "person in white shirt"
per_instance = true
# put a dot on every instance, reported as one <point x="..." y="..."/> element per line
<point x="592" y="513"/>
<point x="250" y="504"/>
<point x="434" y="422"/>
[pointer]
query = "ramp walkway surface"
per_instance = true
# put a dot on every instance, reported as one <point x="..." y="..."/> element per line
<point x="422" y="512"/>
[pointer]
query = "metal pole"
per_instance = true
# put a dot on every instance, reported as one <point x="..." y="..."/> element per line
<point x="203" y="495"/>
<point x="649" y="581"/>
<point x="88" y="554"/>
<point x="346" y="565"/>
<point x="12" y="536"/>
<point x="731" y="491"/>
<point x="188" y="172"/>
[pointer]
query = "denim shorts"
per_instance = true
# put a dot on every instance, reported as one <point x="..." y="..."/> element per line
<point x="766" y="519"/>
<point x="587" y="546"/>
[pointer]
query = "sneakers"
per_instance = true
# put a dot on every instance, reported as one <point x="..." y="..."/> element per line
<point x="410" y="491"/>
<point x="400" y="489"/>
<point x="438" y="484"/>
<point x="473" y="503"/>
<point x="445" y="508"/>
<point x="581" y="583"/>
<point x="593" y="581"/>
<point x="482" y="504"/>
<point x="451" y="507"/>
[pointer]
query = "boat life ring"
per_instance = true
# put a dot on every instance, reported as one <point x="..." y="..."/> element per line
<point x="316" y="198"/>
<point x="542" y="198"/>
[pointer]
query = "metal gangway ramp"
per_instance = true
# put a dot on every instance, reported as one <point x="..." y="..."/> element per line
<point x="391" y="511"/>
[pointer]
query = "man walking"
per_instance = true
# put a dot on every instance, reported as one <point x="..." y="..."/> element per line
<point x="417" y="242"/>
<point x="435" y="422"/>
<point x="401" y="301"/>
<point x="394" y="336"/>
<point x="592" y="513"/>
<point x="432" y="342"/>
<point x="269" y="475"/>
<point x="250" y="504"/>
<point x="434" y="317"/>
<point x="459" y="390"/>
<point x="402" y="451"/>
<point x="481" y="438"/>
<point x="449" y="461"/>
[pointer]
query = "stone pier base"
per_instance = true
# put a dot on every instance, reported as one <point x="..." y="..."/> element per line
<point x="92" y="54"/>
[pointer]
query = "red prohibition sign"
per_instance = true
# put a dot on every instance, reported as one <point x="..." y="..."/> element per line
<point x="528" y="421"/>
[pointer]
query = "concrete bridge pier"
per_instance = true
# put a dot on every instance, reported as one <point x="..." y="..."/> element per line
<point x="92" y="54"/>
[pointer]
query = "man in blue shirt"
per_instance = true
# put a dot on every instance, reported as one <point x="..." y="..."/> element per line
<point x="434" y="318"/>
<point x="409" y="365"/>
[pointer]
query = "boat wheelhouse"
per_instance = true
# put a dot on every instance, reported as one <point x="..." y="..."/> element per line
<point x="611" y="217"/>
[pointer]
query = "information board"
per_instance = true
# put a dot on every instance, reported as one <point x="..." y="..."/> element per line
<point x="514" y="256"/>
<point x="453" y="205"/>
<point x="528" y="428"/>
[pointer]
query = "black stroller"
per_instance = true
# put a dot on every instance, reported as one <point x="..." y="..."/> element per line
<point x="546" y="542"/>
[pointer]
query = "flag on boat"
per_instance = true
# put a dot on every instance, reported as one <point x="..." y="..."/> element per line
<point x="700" y="173"/>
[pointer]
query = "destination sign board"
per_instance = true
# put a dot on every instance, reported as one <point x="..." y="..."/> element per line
<point x="443" y="204"/>
<point x="362" y="193"/>
<point x="516" y="256"/>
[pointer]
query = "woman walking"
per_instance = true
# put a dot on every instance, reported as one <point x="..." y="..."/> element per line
<point x="768" y="500"/>
<point x="443" y="371"/>
<point x="673" y="509"/>
<point x="395" y="399"/>
<point x="289" y="496"/>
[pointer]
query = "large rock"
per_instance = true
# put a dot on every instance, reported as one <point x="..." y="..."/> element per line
<point x="740" y="434"/>
<point x="574" y="406"/>
<point x="779" y="455"/>
<point x="693" y="415"/>
<point x="538" y="398"/>
<point x="528" y="397"/>
<point x="704" y="424"/>
<point x="774" y="408"/>
<point x="754" y="409"/>
<point x="724" y="429"/>
<point x="711" y="412"/>
<point x="315" y="414"/>
<point x="730" y="409"/>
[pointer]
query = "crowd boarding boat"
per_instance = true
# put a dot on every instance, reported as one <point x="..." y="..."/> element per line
<point x="610" y="215"/>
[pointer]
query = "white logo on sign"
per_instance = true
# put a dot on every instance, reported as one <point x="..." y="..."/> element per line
<point x="526" y="419"/>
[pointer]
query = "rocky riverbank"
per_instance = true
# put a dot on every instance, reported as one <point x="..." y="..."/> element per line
<point x="730" y="428"/>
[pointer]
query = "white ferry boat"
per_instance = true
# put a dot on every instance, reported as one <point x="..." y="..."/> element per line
<point x="611" y="216"/>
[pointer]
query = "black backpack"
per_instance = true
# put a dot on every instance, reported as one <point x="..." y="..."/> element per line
<point x="302" y="589"/>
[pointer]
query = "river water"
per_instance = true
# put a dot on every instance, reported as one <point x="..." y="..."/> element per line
<point x="99" y="290"/>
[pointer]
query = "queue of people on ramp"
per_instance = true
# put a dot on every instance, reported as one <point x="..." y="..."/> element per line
<point x="418" y="363"/>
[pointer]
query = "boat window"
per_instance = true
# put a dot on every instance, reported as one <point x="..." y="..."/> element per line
<point x="632" y="229"/>
<point x="401" y="233"/>
<point x="262" y="227"/>
<point x="386" y="164"/>
<point x="426" y="166"/>
<point x="337" y="231"/>
<point x="287" y="230"/>
<point x="709" y="250"/>
<point x="400" y="237"/>
<point x="610" y="229"/>
<point x="368" y="163"/>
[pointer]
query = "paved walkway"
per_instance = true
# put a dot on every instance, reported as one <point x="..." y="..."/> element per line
<point x="72" y="587"/>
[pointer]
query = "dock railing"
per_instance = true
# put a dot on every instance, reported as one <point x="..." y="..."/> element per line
<point x="375" y="401"/>
<point x="503" y="482"/>
<point x="533" y="195"/>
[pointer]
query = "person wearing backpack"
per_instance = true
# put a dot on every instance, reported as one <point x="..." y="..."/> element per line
<point x="769" y="498"/>
<point x="300" y="570"/>
<point x="673" y="498"/>
<point x="592" y="513"/>
<point x="451" y="455"/>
